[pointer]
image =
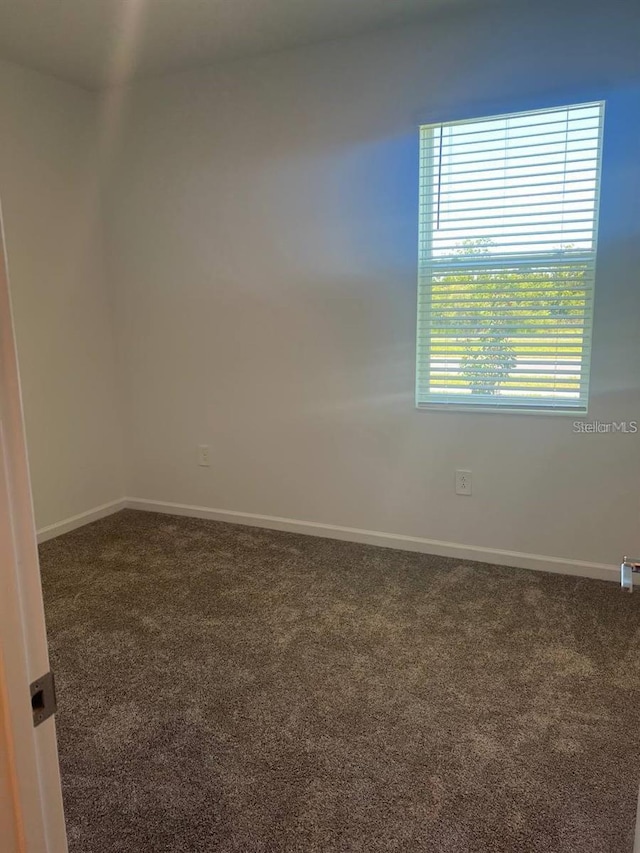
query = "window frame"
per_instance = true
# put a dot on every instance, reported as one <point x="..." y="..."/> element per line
<point x="489" y="111"/>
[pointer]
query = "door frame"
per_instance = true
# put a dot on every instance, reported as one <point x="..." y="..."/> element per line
<point x="31" y="756"/>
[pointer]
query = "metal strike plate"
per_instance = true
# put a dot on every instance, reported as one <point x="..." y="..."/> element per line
<point x="43" y="698"/>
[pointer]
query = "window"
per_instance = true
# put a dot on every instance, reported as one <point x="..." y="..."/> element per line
<point x="508" y="231"/>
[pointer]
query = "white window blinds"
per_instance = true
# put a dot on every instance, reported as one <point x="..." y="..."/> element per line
<point x="508" y="230"/>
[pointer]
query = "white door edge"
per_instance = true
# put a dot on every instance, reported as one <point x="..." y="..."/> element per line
<point x="23" y="642"/>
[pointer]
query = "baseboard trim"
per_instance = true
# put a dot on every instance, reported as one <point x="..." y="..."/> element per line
<point x="538" y="562"/>
<point x="75" y="521"/>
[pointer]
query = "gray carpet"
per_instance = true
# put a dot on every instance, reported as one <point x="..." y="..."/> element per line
<point x="225" y="688"/>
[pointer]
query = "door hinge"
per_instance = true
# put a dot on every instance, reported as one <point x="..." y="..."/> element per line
<point x="628" y="568"/>
<point x="43" y="698"/>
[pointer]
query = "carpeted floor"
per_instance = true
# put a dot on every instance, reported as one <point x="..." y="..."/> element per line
<point x="226" y="688"/>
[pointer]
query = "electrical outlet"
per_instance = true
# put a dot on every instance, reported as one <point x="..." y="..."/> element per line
<point x="463" y="482"/>
<point x="203" y="456"/>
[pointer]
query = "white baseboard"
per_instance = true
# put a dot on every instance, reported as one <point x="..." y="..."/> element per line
<point x="559" y="565"/>
<point x="75" y="521"/>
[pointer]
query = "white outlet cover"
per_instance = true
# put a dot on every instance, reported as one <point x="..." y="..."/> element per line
<point x="463" y="482"/>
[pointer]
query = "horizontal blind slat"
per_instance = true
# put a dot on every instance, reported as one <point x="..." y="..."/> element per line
<point x="586" y="226"/>
<point x="478" y="159"/>
<point x="501" y="194"/>
<point x="546" y="178"/>
<point x="536" y="124"/>
<point x="557" y="128"/>
<point x="496" y="208"/>
<point x="503" y="262"/>
<point x="531" y="294"/>
<point x="577" y="138"/>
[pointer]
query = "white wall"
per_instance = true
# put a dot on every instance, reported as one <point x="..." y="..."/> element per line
<point x="263" y="249"/>
<point x="62" y="312"/>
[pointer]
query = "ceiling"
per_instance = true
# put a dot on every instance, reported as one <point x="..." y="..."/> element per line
<point x="98" y="42"/>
